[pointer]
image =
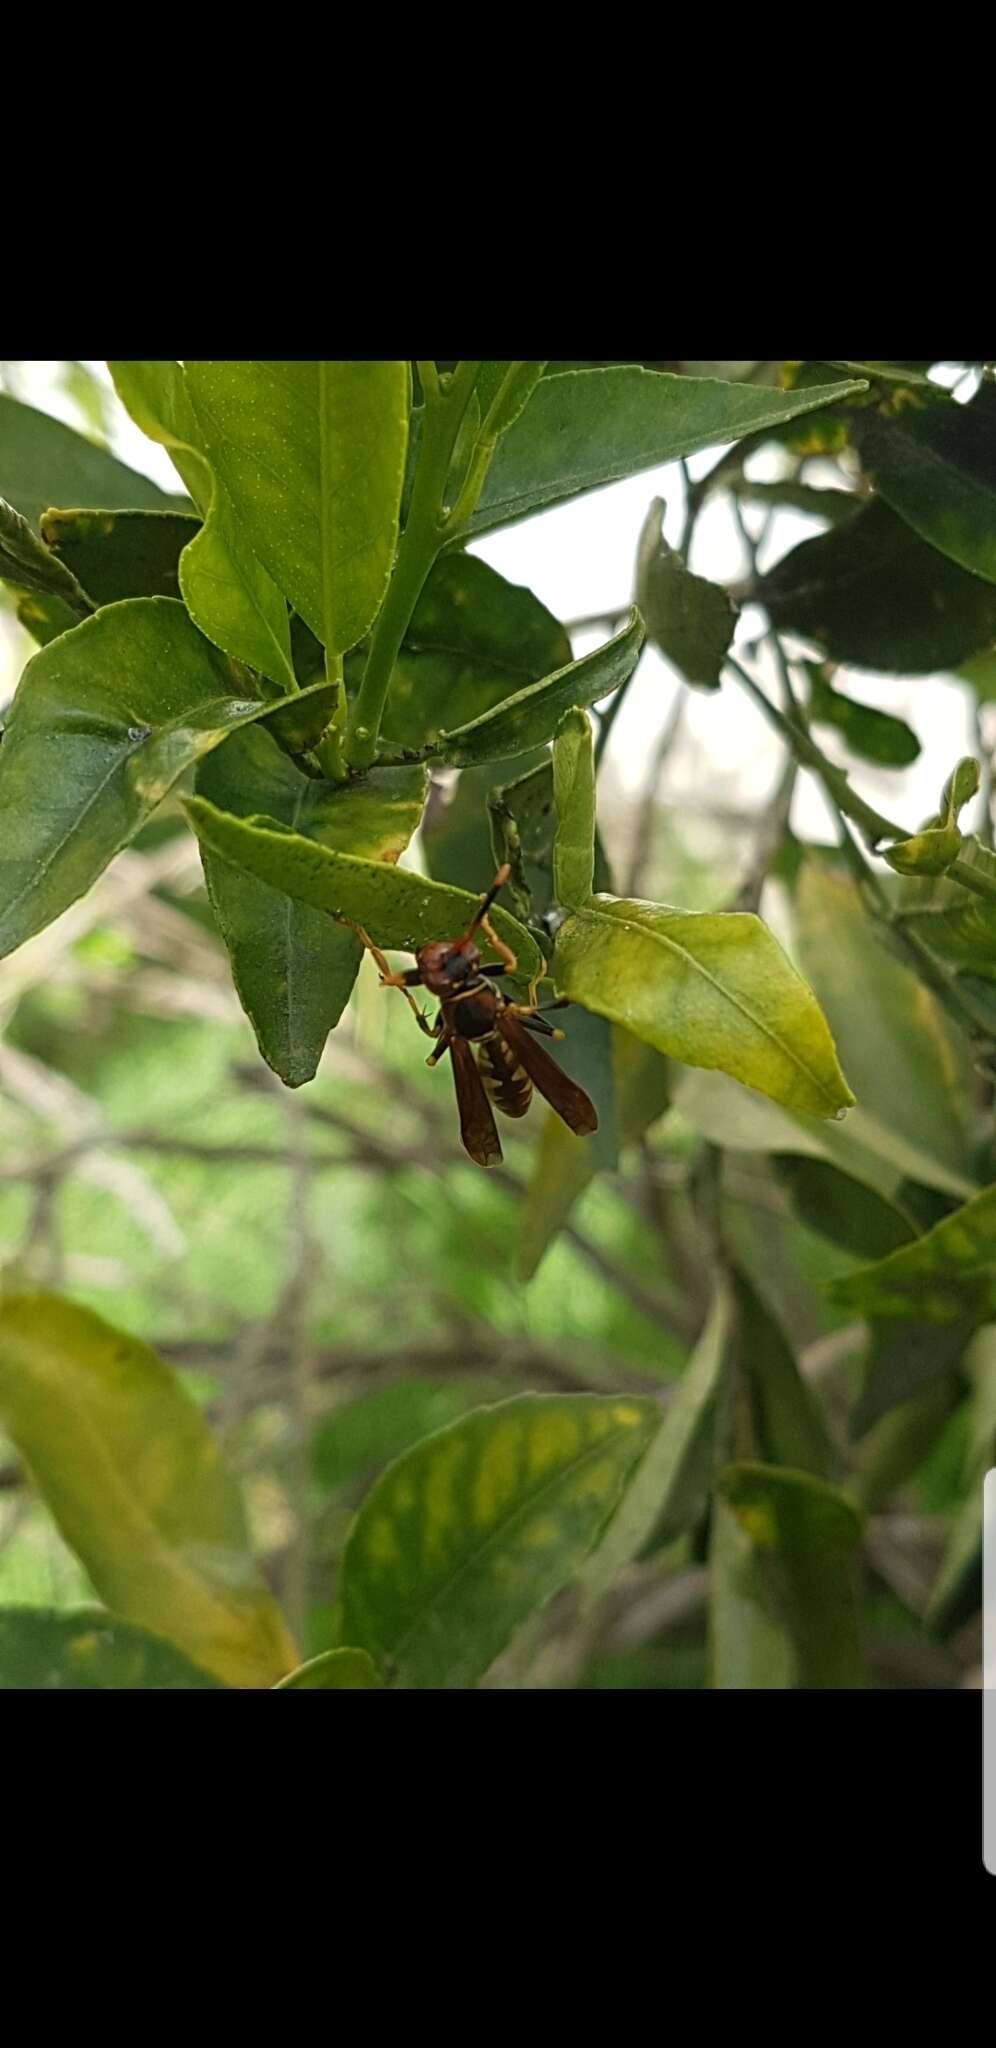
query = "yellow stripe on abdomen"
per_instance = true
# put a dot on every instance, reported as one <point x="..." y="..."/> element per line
<point x="507" y="1084"/>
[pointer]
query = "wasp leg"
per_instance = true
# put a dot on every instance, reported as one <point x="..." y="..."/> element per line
<point x="436" y="1031"/>
<point x="531" y="1003"/>
<point x="534" y="1023"/>
<point x="530" y="1012"/>
<point x="504" y="952"/>
<point x="387" y="979"/>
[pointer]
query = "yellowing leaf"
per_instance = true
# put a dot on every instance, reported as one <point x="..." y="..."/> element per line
<point x="85" y="1649"/>
<point x="132" y="1475"/>
<point x="477" y="1527"/>
<point x="711" y="989"/>
<point x="939" y="1277"/>
<point x="783" y="1571"/>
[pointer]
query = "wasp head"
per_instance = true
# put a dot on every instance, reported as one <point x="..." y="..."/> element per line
<point x="447" y="965"/>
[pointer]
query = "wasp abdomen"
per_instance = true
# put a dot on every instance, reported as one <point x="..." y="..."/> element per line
<point x="507" y="1083"/>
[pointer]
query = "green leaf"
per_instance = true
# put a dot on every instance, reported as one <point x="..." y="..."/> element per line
<point x="523" y="820"/>
<point x="313" y="456"/>
<point x="825" y="433"/>
<point x="906" y="1064"/>
<point x="126" y="702"/>
<point x="787" y="1419"/>
<point x="962" y="784"/>
<point x="456" y="829"/>
<point x="711" y="989"/>
<point x="873" y="735"/>
<point x="937" y="846"/>
<point x="672" y="1484"/>
<point x="910" y="375"/>
<point x="690" y="621"/>
<point x="980" y="672"/>
<point x="130" y="1472"/>
<point x="588" y="1055"/>
<point x="784" y="1580"/>
<point x="297" y="723"/>
<point x="43" y="462"/>
<point x="863" y="1146"/>
<point x="563" y="1164"/>
<point x="936" y="467"/>
<point x="361" y="1435"/>
<point x="905" y="1359"/>
<point x="901" y="1440"/>
<point x="464" y="449"/>
<point x="89" y="1650"/>
<point x="292" y="966"/>
<point x="839" y="1208"/>
<point x="654" y="1667"/>
<point x="90" y="397"/>
<point x="872" y="593"/>
<point x="584" y="428"/>
<point x="531" y="716"/>
<point x="45" y="617"/>
<point x="574" y="796"/>
<point x="562" y="1169"/>
<point x="334" y="1671"/>
<point x="927" y="853"/>
<point x="398" y="909"/>
<point x="940" y="1277"/>
<point x="473" y="641"/>
<point x="29" y="566"/>
<point x="958" y="924"/>
<point x="957" y="1591"/>
<point x="476" y="1528"/>
<point x="121" y="554"/>
<point x="225" y="588"/>
<point x="503" y="391"/>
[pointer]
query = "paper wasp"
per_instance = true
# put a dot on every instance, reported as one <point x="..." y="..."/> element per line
<point x="495" y="1060"/>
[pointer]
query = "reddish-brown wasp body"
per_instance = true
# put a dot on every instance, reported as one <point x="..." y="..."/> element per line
<point x="495" y="1059"/>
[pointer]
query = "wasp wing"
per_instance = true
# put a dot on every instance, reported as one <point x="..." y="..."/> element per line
<point x="477" y="1124"/>
<point x="570" y="1102"/>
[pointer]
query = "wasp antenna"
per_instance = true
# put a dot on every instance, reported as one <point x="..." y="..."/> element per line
<point x="486" y="901"/>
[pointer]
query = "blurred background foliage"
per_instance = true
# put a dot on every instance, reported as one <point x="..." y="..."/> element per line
<point x="333" y="1279"/>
